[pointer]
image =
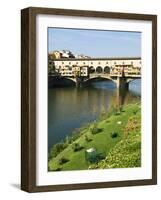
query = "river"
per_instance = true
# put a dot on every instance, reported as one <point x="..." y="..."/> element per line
<point x="70" y="107"/>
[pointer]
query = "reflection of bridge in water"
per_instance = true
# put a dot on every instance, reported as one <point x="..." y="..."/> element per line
<point x="119" y="70"/>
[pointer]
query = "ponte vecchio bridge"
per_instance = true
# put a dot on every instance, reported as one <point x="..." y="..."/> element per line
<point x="119" y="70"/>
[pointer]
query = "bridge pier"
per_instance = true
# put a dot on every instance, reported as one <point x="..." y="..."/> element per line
<point x="79" y="82"/>
<point x="121" y="83"/>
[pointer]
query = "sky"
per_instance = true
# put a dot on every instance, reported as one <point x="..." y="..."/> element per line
<point x="95" y="43"/>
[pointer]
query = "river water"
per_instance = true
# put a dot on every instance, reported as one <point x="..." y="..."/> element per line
<point x="70" y="107"/>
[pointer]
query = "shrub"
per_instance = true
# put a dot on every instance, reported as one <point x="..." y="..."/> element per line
<point x="112" y="111"/>
<point x="84" y="126"/>
<point x="134" y="112"/>
<point x="94" y="129"/>
<point x="115" y="110"/>
<point x="67" y="140"/>
<point x="74" y="136"/>
<point x="56" y="149"/>
<point x="95" y="157"/>
<point x="58" y="169"/>
<point x="63" y="160"/>
<point x="133" y="125"/>
<point x="114" y="134"/>
<point x="103" y="115"/>
<point x="118" y="113"/>
<point x="87" y="139"/>
<point x="121" y="109"/>
<point x="76" y="147"/>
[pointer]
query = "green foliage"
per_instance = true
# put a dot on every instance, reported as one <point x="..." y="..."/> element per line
<point x="56" y="149"/>
<point x="87" y="139"/>
<point x="84" y="127"/>
<point x="127" y="152"/>
<point x="63" y="160"/>
<point x="122" y="151"/>
<point x="133" y="125"/>
<point x="114" y="134"/>
<point x="75" y="135"/>
<point x="76" y="147"/>
<point x="51" y="66"/>
<point x="102" y="116"/>
<point x="134" y="112"/>
<point x="95" y="129"/>
<point x="58" y="169"/>
<point x="118" y="113"/>
<point x="121" y="109"/>
<point x="94" y="157"/>
<point x="59" y="147"/>
<point x="115" y="110"/>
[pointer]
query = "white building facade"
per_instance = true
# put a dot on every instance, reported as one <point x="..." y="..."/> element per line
<point x="82" y="67"/>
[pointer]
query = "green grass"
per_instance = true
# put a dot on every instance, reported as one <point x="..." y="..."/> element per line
<point x="121" y="151"/>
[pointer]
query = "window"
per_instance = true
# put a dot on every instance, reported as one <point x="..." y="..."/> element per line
<point x="62" y="62"/>
<point x="91" y="63"/>
<point x="91" y="69"/>
<point x="107" y="70"/>
<point x="99" y="69"/>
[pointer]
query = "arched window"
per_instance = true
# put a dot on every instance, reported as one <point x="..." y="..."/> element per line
<point x="107" y="70"/>
<point x="99" y="70"/>
<point x="91" y="69"/>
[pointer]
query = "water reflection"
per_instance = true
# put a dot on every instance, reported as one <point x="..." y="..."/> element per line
<point x="69" y="108"/>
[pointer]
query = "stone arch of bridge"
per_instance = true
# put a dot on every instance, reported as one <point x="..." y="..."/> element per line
<point x="70" y="79"/>
<point x="100" y="78"/>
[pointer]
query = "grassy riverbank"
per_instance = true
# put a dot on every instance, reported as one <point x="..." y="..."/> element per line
<point x="115" y="136"/>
